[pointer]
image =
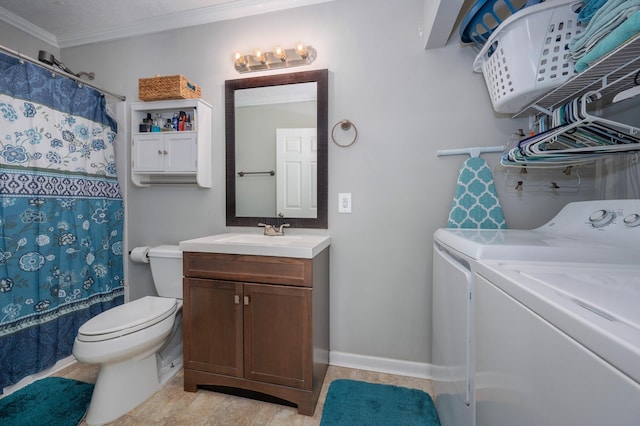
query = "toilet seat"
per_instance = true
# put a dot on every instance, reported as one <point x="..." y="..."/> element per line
<point x="128" y="318"/>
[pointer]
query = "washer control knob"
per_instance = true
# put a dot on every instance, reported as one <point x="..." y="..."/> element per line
<point x="632" y="220"/>
<point x="601" y="218"/>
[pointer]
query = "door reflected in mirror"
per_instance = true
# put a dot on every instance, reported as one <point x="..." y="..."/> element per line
<point x="277" y="150"/>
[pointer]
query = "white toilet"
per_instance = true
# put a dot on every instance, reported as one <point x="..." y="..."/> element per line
<point x="138" y="345"/>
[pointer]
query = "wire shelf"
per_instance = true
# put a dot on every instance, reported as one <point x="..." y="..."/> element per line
<point x="611" y="75"/>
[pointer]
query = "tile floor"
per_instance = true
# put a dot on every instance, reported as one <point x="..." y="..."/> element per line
<point x="172" y="406"/>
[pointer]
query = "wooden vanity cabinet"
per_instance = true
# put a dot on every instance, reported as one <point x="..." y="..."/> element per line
<point x="258" y="323"/>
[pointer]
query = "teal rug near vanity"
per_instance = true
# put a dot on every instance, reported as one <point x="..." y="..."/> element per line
<point x="353" y="403"/>
<point x="53" y="401"/>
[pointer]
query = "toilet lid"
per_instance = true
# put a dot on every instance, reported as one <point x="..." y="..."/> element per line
<point x="127" y="318"/>
<point x="166" y="250"/>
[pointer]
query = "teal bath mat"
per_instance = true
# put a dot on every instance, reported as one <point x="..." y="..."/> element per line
<point x="353" y="403"/>
<point x="53" y="401"/>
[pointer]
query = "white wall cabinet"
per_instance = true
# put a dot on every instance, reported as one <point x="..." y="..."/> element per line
<point x="171" y="157"/>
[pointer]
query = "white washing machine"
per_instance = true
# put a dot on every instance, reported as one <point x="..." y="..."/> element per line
<point x="473" y="267"/>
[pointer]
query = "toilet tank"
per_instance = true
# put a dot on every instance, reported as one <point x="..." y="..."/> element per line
<point x="166" y="268"/>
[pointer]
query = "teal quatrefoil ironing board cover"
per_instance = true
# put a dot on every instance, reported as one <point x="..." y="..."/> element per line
<point x="475" y="203"/>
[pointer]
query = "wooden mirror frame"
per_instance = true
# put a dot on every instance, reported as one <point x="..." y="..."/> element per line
<point x="321" y="77"/>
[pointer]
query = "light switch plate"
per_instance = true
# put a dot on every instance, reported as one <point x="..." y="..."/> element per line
<point x="344" y="202"/>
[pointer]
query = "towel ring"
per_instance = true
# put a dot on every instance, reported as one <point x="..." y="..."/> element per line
<point x="345" y="125"/>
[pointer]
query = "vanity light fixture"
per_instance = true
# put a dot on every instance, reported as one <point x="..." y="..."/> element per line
<point x="300" y="54"/>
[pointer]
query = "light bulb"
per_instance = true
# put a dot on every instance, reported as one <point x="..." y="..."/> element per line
<point x="280" y="53"/>
<point x="259" y="56"/>
<point x="301" y="49"/>
<point x="239" y="59"/>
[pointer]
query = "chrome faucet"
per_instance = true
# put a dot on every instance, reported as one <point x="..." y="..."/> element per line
<point x="272" y="230"/>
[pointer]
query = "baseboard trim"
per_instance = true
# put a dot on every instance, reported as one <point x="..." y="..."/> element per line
<point x="382" y="365"/>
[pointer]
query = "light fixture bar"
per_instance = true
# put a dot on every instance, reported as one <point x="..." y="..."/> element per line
<point x="279" y="58"/>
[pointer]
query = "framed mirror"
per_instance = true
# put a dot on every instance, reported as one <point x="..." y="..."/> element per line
<point x="277" y="150"/>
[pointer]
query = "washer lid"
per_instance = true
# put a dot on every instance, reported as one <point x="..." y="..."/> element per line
<point x="600" y="231"/>
<point x="127" y="318"/>
<point x="479" y="244"/>
<point x="612" y="292"/>
<point x="533" y="245"/>
<point x="595" y="304"/>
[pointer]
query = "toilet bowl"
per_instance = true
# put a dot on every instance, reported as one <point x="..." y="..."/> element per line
<point x="138" y="345"/>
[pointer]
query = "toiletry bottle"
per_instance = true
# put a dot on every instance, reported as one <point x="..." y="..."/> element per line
<point x="181" y="120"/>
<point x="175" y="121"/>
<point x="155" y="125"/>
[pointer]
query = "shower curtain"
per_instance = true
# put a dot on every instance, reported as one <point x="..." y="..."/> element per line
<point x="618" y="177"/>
<point x="61" y="216"/>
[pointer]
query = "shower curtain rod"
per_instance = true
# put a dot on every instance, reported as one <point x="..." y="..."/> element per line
<point x="60" y="72"/>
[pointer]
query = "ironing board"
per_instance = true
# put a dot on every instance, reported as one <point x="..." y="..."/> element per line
<point x="475" y="203"/>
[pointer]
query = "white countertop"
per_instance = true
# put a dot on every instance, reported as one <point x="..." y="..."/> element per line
<point x="300" y="246"/>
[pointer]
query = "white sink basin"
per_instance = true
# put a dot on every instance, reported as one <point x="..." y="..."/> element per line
<point x="302" y="246"/>
<point x="282" y="240"/>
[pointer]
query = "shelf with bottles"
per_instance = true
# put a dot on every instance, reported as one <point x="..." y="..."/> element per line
<point x="165" y="120"/>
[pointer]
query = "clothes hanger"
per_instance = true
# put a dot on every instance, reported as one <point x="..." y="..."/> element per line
<point x="576" y="137"/>
<point x="582" y="132"/>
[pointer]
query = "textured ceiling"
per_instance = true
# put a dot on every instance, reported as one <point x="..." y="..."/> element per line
<point x="71" y="22"/>
<point x="64" y="18"/>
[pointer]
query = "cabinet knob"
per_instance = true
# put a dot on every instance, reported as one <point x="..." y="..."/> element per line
<point x="246" y="300"/>
<point x="160" y="152"/>
<point x="236" y="299"/>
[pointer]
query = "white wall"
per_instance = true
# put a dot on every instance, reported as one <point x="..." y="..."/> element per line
<point x="407" y="103"/>
<point x="24" y="43"/>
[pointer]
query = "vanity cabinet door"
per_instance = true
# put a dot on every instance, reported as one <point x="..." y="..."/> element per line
<point x="213" y="329"/>
<point x="278" y="332"/>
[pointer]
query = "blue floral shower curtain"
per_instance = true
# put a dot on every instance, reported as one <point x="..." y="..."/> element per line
<point x="61" y="216"/>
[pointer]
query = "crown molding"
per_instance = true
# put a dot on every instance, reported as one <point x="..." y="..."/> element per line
<point x="28" y="27"/>
<point x="226" y="11"/>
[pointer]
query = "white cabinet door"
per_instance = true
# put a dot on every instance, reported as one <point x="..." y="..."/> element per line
<point x="165" y="152"/>
<point x="148" y="153"/>
<point x="182" y="152"/>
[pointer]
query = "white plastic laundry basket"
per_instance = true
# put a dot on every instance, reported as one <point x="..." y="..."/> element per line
<point x="528" y="54"/>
